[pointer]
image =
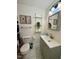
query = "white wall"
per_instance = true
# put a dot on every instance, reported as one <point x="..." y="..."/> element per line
<point x="56" y="34"/>
<point x="29" y="10"/>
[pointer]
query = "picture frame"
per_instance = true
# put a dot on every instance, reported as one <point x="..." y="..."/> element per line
<point x="28" y="19"/>
<point x="22" y="19"/>
<point x="25" y="19"/>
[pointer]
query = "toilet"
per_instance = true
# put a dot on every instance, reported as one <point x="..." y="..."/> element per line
<point x="26" y="46"/>
<point x="25" y="49"/>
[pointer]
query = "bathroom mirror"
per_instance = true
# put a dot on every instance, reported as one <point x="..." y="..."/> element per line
<point x="54" y="18"/>
<point x="54" y="21"/>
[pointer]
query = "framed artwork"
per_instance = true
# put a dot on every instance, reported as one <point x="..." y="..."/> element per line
<point x="55" y="21"/>
<point x="22" y="19"/>
<point x="28" y="19"/>
<point x="25" y="19"/>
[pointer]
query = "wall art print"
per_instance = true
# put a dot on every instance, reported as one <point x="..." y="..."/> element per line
<point x="25" y="19"/>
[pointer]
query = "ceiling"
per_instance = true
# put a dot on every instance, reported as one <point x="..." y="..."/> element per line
<point x="36" y="3"/>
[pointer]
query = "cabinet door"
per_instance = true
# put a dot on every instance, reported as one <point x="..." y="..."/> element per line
<point x="44" y="50"/>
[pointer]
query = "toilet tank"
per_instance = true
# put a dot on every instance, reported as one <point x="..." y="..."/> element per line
<point x="26" y="32"/>
<point x="27" y="39"/>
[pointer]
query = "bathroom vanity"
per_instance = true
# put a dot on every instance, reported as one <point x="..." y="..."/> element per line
<point x="50" y="49"/>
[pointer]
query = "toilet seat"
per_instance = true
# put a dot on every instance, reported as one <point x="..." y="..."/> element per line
<point x="25" y="48"/>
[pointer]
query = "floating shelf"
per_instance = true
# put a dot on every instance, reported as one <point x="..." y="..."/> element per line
<point x="38" y="17"/>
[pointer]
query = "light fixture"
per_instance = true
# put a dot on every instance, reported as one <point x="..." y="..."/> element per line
<point x="59" y="5"/>
<point x="52" y="9"/>
<point x="50" y="13"/>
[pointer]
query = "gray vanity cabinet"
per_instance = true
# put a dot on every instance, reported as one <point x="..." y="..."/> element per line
<point x="44" y="50"/>
<point x="49" y="53"/>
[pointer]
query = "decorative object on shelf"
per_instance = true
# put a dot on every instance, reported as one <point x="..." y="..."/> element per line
<point x="38" y="22"/>
<point x="38" y="25"/>
<point x="25" y="19"/>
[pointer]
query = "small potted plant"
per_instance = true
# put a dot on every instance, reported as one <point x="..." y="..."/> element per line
<point x="38" y="25"/>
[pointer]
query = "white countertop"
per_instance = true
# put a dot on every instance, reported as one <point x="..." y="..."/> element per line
<point x="51" y="43"/>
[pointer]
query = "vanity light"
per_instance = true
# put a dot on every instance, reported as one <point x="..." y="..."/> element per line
<point x="56" y="6"/>
<point x="59" y="5"/>
<point x="50" y="13"/>
<point x="53" y="9"/>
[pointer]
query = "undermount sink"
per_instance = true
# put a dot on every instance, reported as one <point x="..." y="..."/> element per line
<point x="47" y="38"/>
<point x="50" y="48"/>
<point x="50" y="42"/>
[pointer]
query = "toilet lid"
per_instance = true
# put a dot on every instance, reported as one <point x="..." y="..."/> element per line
<point x="25" y="47"/>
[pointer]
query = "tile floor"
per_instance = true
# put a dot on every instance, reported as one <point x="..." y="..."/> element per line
<point x="34" y="53"/>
